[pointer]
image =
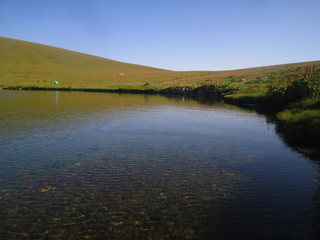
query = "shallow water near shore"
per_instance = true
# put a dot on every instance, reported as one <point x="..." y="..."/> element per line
<point x="79" y="165"/>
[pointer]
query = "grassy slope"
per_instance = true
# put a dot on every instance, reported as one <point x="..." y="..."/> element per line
<point x="22" y="63"/>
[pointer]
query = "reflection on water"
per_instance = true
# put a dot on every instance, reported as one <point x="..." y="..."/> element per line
<point x="77" y="165"/>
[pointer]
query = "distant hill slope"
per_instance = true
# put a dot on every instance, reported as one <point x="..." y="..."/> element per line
<point x="26" y="63"/>
<point x="30" y="64"/>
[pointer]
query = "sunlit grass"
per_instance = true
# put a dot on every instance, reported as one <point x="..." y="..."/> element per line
<point x="309" y="103"/>
<point x="29" y="64"/>
<point x="298" y="117"/>
<point x="301" y="121"/>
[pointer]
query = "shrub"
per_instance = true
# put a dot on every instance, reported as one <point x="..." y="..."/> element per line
<point x="305" y="87"/>
<point x="146" y="85"/>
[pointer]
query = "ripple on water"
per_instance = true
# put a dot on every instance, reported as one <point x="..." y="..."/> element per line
<point x="157" y="169"/>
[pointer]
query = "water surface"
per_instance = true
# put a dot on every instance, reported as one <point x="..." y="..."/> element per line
<point x="76" y="165"/>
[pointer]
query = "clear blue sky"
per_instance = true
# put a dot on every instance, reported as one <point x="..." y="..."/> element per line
<point x="172" y="34"/>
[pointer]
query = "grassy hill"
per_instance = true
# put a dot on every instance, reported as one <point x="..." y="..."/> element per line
<point x="29" y="64"/>
<point x="25" y="63"/>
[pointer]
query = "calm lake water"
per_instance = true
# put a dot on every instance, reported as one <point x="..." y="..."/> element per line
<point x="76" y="165"/>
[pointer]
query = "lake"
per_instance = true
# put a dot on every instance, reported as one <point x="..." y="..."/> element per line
<point x="80" y="165"/>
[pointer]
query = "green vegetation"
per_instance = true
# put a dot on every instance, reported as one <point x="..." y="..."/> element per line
<point x="290" y="91"/>
<point x="300" y="122"/>
<point x="296" y="104"/>
<point x="26" y="64"/>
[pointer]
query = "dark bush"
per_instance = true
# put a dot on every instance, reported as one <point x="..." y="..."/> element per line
<point x="297" y="90"/>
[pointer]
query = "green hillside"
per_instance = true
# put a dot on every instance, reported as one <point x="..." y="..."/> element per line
<point x="25" y="63"/>
<point x="30" y="64"/>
